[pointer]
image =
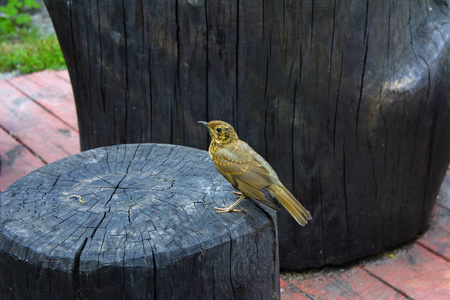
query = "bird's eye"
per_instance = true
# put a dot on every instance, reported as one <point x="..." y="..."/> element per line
<point x="219" y="129"/>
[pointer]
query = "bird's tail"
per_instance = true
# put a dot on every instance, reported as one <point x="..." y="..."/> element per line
<point x="281" y="193"/>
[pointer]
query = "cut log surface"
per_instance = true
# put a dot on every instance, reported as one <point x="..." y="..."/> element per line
<point x="144" y="227"/>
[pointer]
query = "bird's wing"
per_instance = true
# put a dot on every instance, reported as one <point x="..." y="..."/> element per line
<point x="237" y="160"/>
<point x="237" y="164"/>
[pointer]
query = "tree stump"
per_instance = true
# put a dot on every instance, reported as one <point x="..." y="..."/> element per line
<point x="347" y="100"/>
<point x="144" y="228"/>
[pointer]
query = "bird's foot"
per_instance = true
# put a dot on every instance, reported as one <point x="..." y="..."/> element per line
<point x="226" y="209"/>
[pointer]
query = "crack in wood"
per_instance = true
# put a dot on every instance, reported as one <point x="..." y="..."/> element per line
<point x="231" y="267"/>
<point x="76" y="292"/>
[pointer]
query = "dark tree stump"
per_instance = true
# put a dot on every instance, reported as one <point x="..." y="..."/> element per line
<point x="348" y="100"/>
<point x="146" y="231"/>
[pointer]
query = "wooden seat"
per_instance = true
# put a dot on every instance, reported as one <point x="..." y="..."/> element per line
<point x="135" y="222"/>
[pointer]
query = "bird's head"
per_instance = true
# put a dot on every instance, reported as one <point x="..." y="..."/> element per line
<point x="221" y="132"/>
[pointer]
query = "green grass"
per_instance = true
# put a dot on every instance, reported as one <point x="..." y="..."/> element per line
<point x="27" y="51"/>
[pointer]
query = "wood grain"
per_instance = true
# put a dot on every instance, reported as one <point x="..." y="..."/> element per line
<point x="348" y="101"/>
<point x="147" y="229"/>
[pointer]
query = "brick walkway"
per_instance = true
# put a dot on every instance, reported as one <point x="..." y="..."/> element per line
<point x="38" y="125"/>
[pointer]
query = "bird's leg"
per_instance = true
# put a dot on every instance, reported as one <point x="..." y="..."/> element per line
<point x="231" y="208"/>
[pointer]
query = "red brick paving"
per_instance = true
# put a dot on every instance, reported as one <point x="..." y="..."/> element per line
<point x="39" y="107"/>
<point x="352" y="283"/>
<point x="31" y="124"/>
<point x="416" y="272"/>
<point x="17" y="161"/>
<point x="51" y="91"/>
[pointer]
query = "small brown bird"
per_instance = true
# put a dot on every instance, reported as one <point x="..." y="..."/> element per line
<point x="249" y="172"/>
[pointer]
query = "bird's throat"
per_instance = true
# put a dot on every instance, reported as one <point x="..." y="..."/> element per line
<point x="213" y="147"/>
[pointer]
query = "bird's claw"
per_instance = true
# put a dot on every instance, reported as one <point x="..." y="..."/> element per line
<point x="238" y="194"/>
<point x="226" y="209"/>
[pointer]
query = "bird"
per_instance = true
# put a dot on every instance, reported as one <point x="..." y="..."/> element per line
<point x="249" y="173"/>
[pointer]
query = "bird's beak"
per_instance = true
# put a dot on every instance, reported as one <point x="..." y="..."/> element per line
<point x="203" y="123"/>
